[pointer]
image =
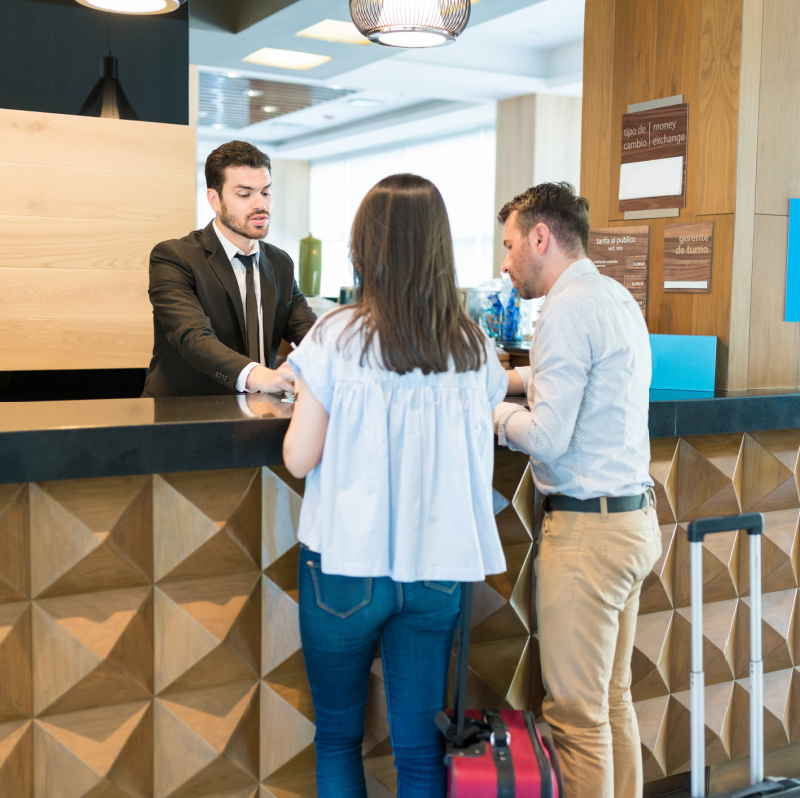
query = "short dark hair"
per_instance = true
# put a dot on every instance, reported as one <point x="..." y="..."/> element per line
<point x="559" y="207"/>
<point x="234" y="153"/>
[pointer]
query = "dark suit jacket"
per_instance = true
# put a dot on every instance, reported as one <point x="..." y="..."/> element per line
<point x="200" y="343"/>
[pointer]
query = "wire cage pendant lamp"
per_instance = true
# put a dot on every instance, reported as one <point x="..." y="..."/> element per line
<point x="410" y="23"/>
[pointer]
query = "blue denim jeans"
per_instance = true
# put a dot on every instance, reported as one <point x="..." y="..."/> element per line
<point x="342" y="619"/>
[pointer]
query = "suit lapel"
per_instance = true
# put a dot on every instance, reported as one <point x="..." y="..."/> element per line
<point x="221" y="266"/>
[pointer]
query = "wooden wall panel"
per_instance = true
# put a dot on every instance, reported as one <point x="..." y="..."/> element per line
<point x="778" y="175"/>
<point x="596" y="124"/>
<point x="80" y="193"/>
<point x="84" y="202"/>
<point x="711" y="312"/>
<point x="773" y="342"/>
<point x="73" y="293"/>
<point x="61" y="140"/>
<point x="747" y="139"/>
<point x="82" y="243"/>
<point x="634" y="54"/>
<point x="717" y="109"/>
<point x="95" y="343"/>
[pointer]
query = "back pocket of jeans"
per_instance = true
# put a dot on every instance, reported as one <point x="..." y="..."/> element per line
<point x="442" y="587"/>
<point x="340" y="595"/>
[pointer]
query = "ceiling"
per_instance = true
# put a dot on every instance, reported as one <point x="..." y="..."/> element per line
<point x="370" y="95"/>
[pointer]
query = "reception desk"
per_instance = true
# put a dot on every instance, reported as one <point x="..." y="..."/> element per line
<point x="149" y="641"/>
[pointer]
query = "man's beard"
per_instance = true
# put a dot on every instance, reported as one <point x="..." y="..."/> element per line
<point x="243" y="230"/>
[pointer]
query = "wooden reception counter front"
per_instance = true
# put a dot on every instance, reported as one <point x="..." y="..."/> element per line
<point x="149" y="641"/>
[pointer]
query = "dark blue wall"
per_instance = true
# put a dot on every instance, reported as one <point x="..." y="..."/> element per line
<point x="51" y="55"/>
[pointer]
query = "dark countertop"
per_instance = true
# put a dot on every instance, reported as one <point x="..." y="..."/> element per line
<point x="117" y="437"/>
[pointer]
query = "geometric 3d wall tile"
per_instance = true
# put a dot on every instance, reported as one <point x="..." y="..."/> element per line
<point x="281" y="649"/>
<point x="705" y="485"/>
<point x="16" y="759"/>
<point x="80" y="545"/>
<point x="721" y="558"/>
<point x="93" y="753"/>
<point x="15" y="662"/>
<point x="777" y="712"/>
<point x="287" y="751"/>
<point x="657" y="588"/>
<point x="208" y="632"/>
<point x="651" y="655"/>
<point x="91" y="650"/>
<point x="206" y="741"/>
<point x="766" y="474"/>
<point x="14" y="543"/>
<point x="206" y="524"/>
<point x="652" y="716"/>
<point x="664" y="471"/>
<point x="779" y="553"/>
<point x="281" y="515"/>
<point x="719" y="644"/>
<point x="778" y="624"/>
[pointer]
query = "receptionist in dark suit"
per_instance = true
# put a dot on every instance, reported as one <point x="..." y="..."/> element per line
<point x="222" y="298"/>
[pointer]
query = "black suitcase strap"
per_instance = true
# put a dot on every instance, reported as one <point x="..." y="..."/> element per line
<point x="501" y="754"/>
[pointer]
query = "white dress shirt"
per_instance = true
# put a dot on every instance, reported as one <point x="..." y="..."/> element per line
<point x="588" y="391"/>
<point x="239" y="271"/>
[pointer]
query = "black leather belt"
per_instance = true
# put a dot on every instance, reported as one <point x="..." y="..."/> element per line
<point x="616" y="504"/>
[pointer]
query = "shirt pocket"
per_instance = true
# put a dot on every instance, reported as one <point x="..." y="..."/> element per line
<point x="341" y="596"/>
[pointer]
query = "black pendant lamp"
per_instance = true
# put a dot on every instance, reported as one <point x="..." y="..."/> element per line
<point x="107" y="99"/>
<point x="134" y="6"/>
<point x="410" y="23"/>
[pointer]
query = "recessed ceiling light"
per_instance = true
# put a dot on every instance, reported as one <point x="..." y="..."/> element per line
<point x="269" y="109"/>
<point x="253" y="93"/>
<point x="217" y="126"/>
<point x="232" y="75"/>
<point x="286" y="59"/>
<point x="134" y="6"/>
<point x="334" y="30"/>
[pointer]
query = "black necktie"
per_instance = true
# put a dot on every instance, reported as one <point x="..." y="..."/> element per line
<point x="251" y="308"/>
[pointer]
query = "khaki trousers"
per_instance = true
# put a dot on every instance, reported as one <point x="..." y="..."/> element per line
<point x="589" y="572"/>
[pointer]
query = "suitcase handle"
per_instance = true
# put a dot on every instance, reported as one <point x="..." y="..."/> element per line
<point x="753" y="524"/>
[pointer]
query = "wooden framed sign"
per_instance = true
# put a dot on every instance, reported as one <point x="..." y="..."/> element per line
<point x="622" y="253"/>
<point x="652" y="173"/>
<point x="687" y="257"/>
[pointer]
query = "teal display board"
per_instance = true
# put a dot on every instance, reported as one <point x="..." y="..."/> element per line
<point x="792" y="312"/>
<point x="683" y="362"/>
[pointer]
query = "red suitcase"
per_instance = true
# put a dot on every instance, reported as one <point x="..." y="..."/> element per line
<point x="490" y="753"/>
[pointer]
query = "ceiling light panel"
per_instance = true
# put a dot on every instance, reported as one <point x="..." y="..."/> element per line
<point x="240" y="102"/>
<point x="334" y="30"/>
<point x="286" y="59"/>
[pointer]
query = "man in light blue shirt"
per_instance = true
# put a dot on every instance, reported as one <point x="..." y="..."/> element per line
<point x="585" y="430"/>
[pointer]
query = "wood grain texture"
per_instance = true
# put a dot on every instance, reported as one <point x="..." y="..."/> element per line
<point x="35" y="242"/>
<point x="711" y="312"/>
<point x="65" y="140"/>
<point x="718" y="106"/>
<point x="688" y="252"/>
<point x="89" y="193"/>
<point x="778" y="170"/>
<point x="634" y="54"/>
<point x="74" y="294"/>
<point x="75" y="344"/>
<point x="742" y="261"/>
<point x="773" y="347"/>
<point x="596" y="126"/>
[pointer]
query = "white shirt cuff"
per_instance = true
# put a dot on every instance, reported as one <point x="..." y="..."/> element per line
<point x="241" y="380"/>
<point x="500" y="418"/>
<point x="524" y="373"/>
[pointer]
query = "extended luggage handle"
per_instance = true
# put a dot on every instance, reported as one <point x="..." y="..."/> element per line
<point x="753" y="524"/>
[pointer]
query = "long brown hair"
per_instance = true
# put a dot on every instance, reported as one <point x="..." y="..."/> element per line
<point x="402" y="254"/>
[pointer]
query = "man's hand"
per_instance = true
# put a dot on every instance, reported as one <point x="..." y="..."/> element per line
<point x="271" y="380"/>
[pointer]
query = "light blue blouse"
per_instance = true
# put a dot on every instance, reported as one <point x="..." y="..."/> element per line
<point x="404" y="487"/>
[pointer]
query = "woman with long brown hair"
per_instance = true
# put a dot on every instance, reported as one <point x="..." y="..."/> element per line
<point x="392" y="425"/>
